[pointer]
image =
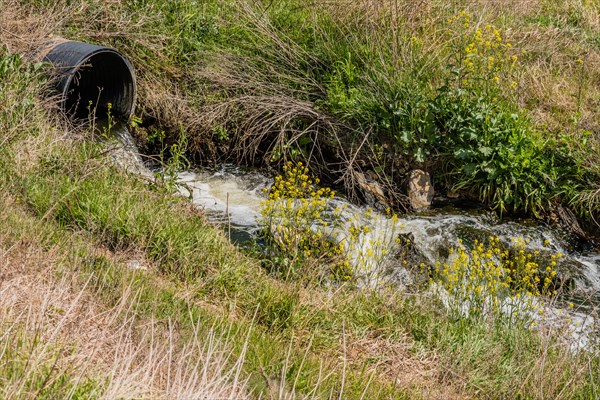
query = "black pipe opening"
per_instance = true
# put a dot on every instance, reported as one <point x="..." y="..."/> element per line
<point x="103" y="79"/>
<point x="90" y="78"/>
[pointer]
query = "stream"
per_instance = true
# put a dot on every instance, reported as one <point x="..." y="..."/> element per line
<point x="231" y="197"/>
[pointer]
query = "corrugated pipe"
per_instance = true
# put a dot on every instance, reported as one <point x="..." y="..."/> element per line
<point x="86" y="73"/>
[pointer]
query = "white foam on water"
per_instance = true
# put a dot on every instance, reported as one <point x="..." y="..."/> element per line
<point x="224" y="192"/>
<point x="240" y="193"/>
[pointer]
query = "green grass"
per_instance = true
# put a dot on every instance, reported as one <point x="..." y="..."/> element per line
<point x="280" y="312"/>
<point x="65" y="196"/>
<point x="400" y="79"/>
<point x="311" y="80"/>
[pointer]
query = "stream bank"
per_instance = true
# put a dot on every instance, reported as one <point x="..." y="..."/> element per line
<point x="231" y="197"/>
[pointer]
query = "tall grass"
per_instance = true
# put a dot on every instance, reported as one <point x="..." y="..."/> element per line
<point x="59" y="341"/>
<point x="67" y="194"/>
<point x="62" y="194"/>
<point x="373" y="85"/>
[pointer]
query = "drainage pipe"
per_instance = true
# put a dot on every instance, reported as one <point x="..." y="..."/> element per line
<point x="86" y="73"/>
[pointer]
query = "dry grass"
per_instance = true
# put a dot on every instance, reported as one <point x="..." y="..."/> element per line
<point x="58" y="335"/>
<point x="256" y="105"/>
<point x="538" y="383"/>
<point x="23" y="30"/>
<point x="264" y="118"/>
<point x="554" y="35"/>
<point x="395" y="362"/>
<point x="266" y="108"/>
<point x="554" y="86"/>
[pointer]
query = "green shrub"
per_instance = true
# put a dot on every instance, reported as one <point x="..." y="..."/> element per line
<point x="492" y="152"/>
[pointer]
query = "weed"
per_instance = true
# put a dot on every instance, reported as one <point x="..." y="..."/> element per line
<point x="171" y="158"/>
<point x="295" y="224"/>
<point x="496" y="283"/>
<point x="307" y="238"/>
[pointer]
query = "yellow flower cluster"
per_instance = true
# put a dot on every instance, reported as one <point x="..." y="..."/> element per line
<point x="295" y="221"/>
<point x="302" y="231"/>
<point x="297" y="184"/>
<point x="369" y="245"/>
<point x="463" y="18"/>
<point x="483" y="52"/>
<point x="481" y="279"/>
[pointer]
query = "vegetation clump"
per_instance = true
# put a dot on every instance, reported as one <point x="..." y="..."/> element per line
<point x="470" y="92"/>
<point x="297" y="224"/>
<point x="307" y="236"/>
<point x="494" y="282"/>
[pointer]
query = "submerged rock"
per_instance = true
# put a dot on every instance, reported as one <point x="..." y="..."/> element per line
<point x="420" y="189"/>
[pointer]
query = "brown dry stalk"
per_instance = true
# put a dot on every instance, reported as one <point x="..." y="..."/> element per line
<point x="61" y="323"/>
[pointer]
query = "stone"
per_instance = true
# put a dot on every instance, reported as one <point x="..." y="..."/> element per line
<point x="452" y="195"/>
<point x="569" y="221"/>
<point x="371" y="189"/>
<point x="420" y="190"/>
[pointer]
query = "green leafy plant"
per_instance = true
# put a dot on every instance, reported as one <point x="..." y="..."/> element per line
<point x="171" y="158"/>
<point x="493" y="153"/>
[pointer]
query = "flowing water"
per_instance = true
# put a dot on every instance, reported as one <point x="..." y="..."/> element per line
<point x="231" y="197"/>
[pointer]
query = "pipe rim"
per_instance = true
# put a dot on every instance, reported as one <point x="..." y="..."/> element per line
<point x="71" y="72"/>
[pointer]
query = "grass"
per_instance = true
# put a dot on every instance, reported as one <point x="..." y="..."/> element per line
<point x="373" y="86"/>
<point x="59" y="341"/>
<point x="75" y="224"/>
